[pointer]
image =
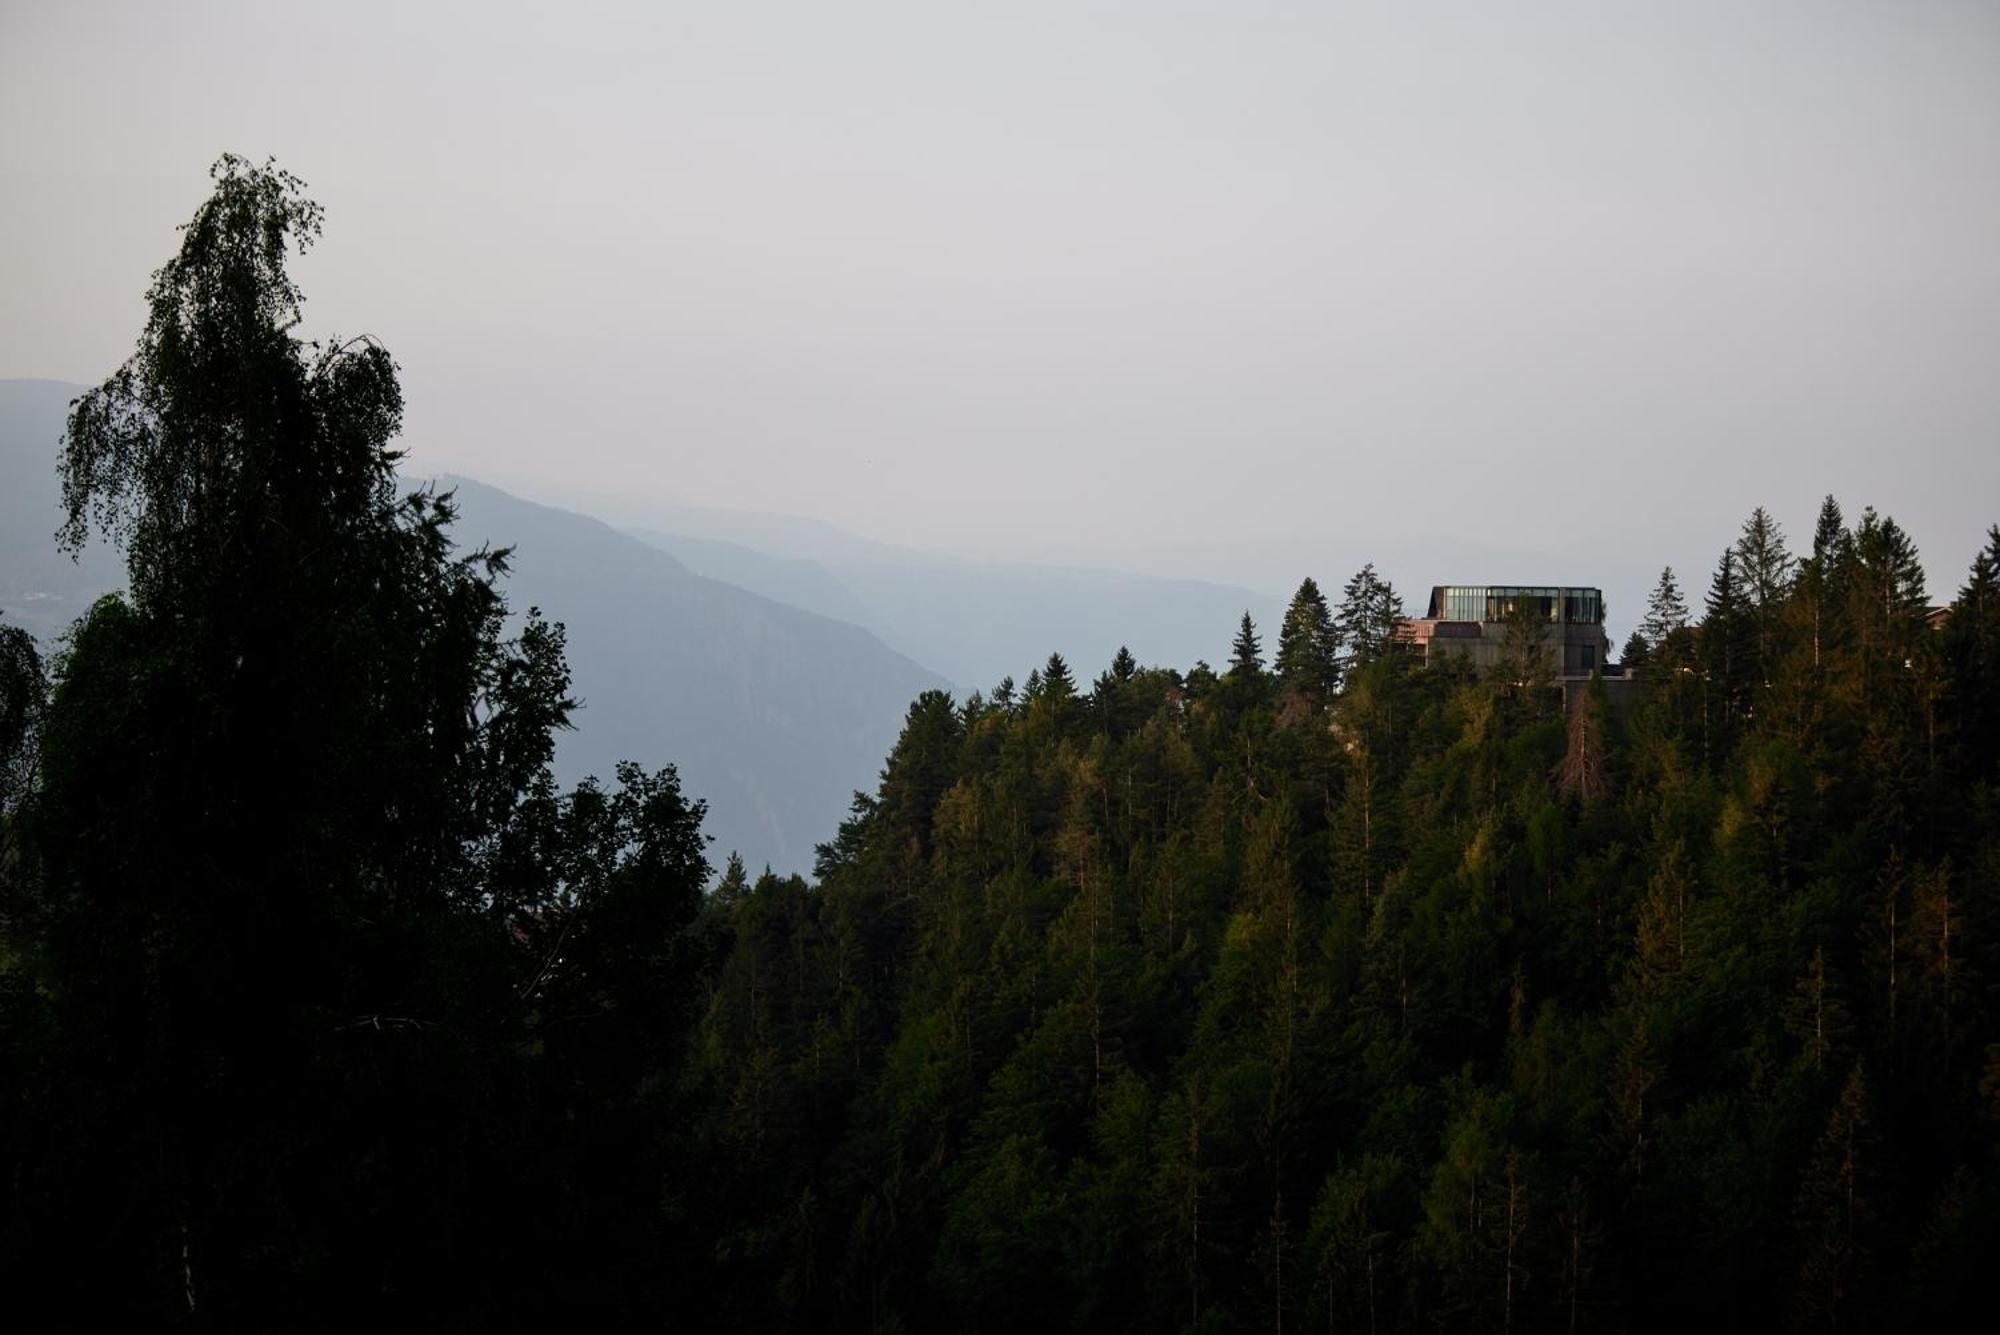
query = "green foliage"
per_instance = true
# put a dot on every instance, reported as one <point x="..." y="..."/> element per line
<point x="1420" y="1007"/>
<point x="1366" y="621"/>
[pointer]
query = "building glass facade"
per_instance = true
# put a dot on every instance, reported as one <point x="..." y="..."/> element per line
<point x="1497" y="602"/>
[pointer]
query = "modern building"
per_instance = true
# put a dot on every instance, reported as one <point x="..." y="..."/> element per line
<point x="1471" y="620"/>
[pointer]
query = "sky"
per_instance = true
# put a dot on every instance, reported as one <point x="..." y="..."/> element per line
<point x="1248" y="290"/>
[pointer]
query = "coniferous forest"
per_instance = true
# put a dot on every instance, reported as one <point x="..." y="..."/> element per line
<point x="1323" y="990"/>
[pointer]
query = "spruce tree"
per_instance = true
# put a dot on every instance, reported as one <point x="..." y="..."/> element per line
<point x="1763" y="564"/>
<point x="1765" y="571"/>
<point x="1725" y="639"/>
<point x="1057" y="684"/>
<point x="1666" y="611"/>
<point x="1246" y="653"/>
<point x="1308" y="644"/>
<point x="1366" y="621"/>
<point x="1831" y="540"/>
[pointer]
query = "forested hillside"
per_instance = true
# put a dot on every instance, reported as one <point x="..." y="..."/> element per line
<point x="1327" y="990"/>
<point x="1340" y="994"/>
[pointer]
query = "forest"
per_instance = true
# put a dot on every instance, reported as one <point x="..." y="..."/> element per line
<point x="1321" y="990"/>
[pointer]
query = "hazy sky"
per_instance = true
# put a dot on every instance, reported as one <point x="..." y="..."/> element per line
<point x="1242" y="289"/>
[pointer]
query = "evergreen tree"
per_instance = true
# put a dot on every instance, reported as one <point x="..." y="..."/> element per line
<point x="1666" y="611"/>
<point x="1765" y="571"/>
<point x="1057" y="683"/>
<point x="1366" y="621"/>
<point x="1972" y="646"/>
<point x="1308" y="659"/>
<point x="1725" y="641"/>
<point x="1246" y="653"/>
<point x="1764" y="566"/>
<point x="1527" y="658"/>
<point x="735" y="883"/>
<point x="1831" y="540"/>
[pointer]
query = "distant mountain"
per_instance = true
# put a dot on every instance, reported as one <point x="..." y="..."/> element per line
<point x="773" y="714"/>
<point x="973" y="621"/>
<point x="795" y="580"/>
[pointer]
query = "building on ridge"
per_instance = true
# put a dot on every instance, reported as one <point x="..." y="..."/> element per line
<point x="1471" y="621"/>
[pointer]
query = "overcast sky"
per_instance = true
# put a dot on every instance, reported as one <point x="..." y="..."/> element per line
<point x="1243" y="289"/>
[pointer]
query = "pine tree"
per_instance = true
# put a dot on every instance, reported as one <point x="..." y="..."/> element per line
<point x="1123" y="666"/>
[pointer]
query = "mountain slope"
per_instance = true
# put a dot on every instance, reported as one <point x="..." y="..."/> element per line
<point x="774" y="715"/>
<point x="974" y="621"/>
<point x="798" y="581"/>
